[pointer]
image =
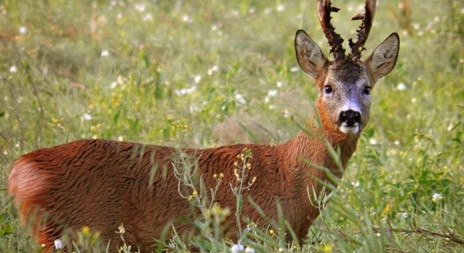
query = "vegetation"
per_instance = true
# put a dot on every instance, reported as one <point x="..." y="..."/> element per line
<point x="205" y="73"/>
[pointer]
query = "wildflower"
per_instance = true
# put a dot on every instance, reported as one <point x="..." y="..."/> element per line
<point x="239" y="97"/>
<point x="13" y="69"/>
<point x="22" y="30"/>
<point x="105" y="53"/>
<point x="249" y="249"/>
<point x="87" y="116"/>
<point x="185" y="91"/>
<point x="197" y="78"/>
<point x="355" y="184"/>
<point x="122" y="230"/>
<point x="327" y="248"/>
<point x="187" y="19"/>
<point x="194" y="195"/>
<point x="271" y="232"/>
<point x="212" y="70"/>
<point x="237" y="248"/>
<point x="401" y="86"/>
<point x="272" y="93"/>
<point x="373" y="141"/>
<point x="280" y="7"/>
<point x="86" y="230"/>
<point x="436" y="197"/>
<point x="140" y="7"/>
<point x="58" y="244"/>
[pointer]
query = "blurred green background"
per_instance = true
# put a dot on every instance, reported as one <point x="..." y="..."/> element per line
<point x="207" y="73"/>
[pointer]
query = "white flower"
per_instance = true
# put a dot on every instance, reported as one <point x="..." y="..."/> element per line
<point x="401" y="86"/>
<point x="22" y="30"/>
<point x="113" y="85"/>
<point x="294" y="69"/>
<point x="185" y="91"/>
<point x="197" y="78"/>
<point x="87" y="116"/>
<point x="187" y="19"/>
<point x="58" y="244"/>
<point x="237" y="248"/>
<point x="372" y="141"/>
<point x="272" y="93"/>
<point x="280" y="84"/>
<point x="355" y="184"/>
<point x="249" y="250"/>
<point x="239" y="97"/>
<point x="140" y="7"/>
<point x="13" y="69"/>
<point x="105" y="53"/>
<point x="280" y="7"/>
<point x="436" y="197"/>
<point x="213" y="69"/>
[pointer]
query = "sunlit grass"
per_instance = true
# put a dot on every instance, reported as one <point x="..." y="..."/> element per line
<point x="204" y="73"/>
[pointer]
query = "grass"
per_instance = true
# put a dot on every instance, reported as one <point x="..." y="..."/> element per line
<point x="197" y="73"/>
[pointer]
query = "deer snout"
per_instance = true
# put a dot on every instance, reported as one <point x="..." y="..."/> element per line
<point x="349" y="121"/>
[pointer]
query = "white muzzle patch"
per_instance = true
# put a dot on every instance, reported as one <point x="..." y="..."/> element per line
<point x="344" y="128"/>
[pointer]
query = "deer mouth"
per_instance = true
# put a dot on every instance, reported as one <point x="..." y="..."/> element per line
<point x="347" y="128"/>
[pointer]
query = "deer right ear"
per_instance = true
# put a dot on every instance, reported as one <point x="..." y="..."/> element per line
<point x="308" y="54"/>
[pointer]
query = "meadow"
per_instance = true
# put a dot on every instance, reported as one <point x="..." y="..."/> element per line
<point x="207" y="73"/>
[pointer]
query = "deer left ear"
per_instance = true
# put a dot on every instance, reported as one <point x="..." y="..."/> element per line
<point x="384" y="57"/>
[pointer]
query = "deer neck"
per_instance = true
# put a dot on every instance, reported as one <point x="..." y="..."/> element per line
<point x="310" y="149"/>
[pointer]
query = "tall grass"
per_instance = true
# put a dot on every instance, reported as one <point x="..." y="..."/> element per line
<point x="203" y="73"/>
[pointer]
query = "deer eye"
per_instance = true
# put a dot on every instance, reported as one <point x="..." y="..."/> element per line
<point x="367" y="90"/>
<point x="328" y="89"/>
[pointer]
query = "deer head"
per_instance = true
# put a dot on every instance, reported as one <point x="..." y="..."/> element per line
<point x="345" y="83"/>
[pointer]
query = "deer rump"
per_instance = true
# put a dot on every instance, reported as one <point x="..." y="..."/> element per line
<point x="103" y="184"/>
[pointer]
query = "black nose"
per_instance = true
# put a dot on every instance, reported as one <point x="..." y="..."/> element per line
<point x="349" y="117"/>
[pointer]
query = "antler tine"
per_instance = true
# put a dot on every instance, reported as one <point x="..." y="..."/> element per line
<point x="364" y="29"/>
<point x="334" y="39"/>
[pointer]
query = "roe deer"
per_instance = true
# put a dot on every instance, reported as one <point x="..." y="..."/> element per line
<point x="102" y="184"/>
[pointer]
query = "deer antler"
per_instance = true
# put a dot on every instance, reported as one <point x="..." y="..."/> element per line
<point x="334" y="39"/>
<point x="364" y="29"/>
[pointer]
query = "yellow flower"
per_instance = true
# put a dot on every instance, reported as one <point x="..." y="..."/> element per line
<point x="85" y="230"/>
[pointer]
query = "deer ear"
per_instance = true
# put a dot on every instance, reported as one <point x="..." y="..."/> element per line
<point x="384" y="57"/>
<point x="308" y="54"/>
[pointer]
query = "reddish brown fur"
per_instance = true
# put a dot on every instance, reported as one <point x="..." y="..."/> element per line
<point x="102" y="184"/>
